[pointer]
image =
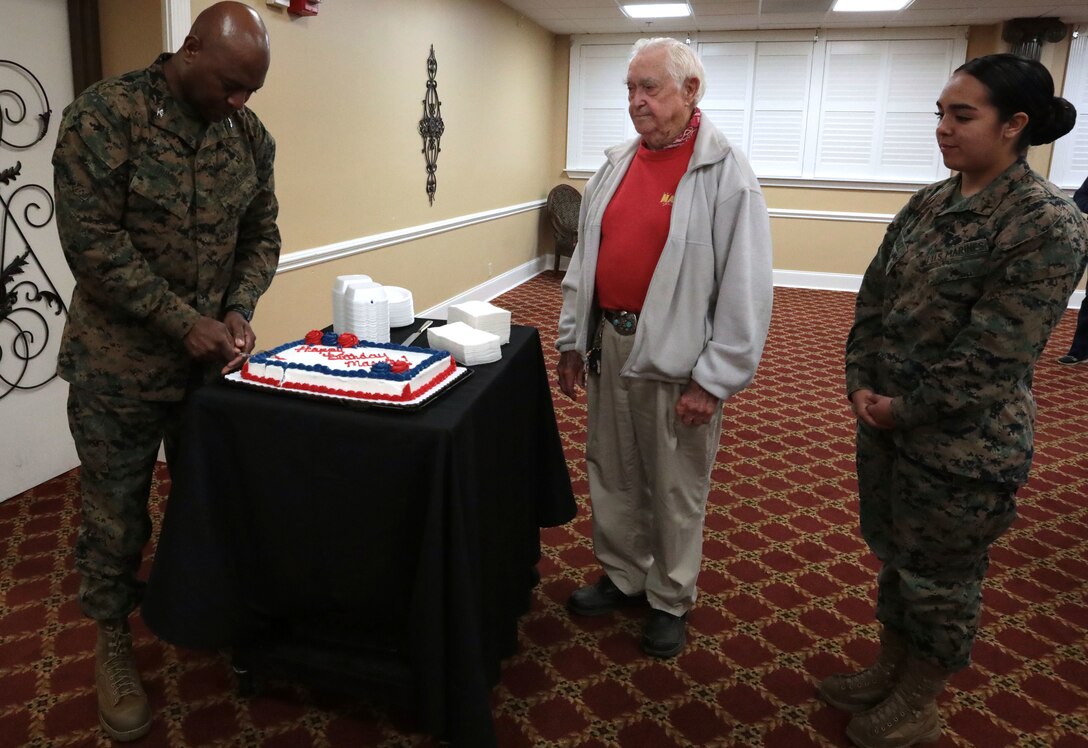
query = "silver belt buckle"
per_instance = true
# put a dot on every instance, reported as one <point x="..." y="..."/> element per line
<point x="625" y="323"/>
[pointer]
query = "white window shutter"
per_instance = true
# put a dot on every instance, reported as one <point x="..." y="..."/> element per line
<point x="757" y="95"/>
<point x="853" y="84"/>
<point x="1069" y="162"/>
<point x="877" y="109"/>
<point x="917" y="71"/>
<point x="851" y="105"/>
<point x="598" y="116"/>
<point x="780" y="108"/>
<point x="727" y="100"/>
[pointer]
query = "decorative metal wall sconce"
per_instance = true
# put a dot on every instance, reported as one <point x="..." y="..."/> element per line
<point x="29" y="303"/>
<point x="431" y="126"/>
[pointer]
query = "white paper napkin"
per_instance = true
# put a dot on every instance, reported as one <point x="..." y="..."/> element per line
<point x="468" y="345"/>
<point x="482" y="316"/>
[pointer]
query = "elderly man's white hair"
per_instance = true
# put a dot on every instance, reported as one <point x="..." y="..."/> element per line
<point x="681" y="62"/>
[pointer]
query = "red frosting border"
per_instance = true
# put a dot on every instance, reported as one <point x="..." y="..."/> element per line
<point x="406" y="395"/>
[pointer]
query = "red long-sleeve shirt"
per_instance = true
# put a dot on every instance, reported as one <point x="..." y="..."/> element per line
<point x="635" y="226"/>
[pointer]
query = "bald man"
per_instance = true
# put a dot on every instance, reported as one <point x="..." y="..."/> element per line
<point x="167" y="217"/>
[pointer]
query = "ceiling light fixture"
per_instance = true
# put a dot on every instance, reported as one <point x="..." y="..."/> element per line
<point x="869" y="6"/>
<point x="656" y="10"/>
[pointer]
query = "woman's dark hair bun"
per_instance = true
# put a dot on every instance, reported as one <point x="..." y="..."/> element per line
<point x="1017" y="84"/>
<point x="1063" y="116"/>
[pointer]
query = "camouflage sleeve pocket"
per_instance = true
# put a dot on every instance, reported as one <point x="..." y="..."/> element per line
<point x="1028" y="272"/>
<point x="101" y="138"/>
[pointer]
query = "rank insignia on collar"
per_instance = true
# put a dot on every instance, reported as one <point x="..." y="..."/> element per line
<point x="230" y="123"/>
<point x="159" y="112"/>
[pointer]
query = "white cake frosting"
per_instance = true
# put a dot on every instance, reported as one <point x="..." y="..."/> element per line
<point x="341" y="366"/>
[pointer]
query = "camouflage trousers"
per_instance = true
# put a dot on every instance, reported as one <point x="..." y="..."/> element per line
<point x="932" y="532"/>
<point x="117" y="440"/>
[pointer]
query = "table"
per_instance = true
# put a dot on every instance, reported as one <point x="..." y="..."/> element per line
<point x="367" y="547"/>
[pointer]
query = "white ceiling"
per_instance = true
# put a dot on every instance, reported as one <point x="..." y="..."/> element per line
<point x="605" y="16"/>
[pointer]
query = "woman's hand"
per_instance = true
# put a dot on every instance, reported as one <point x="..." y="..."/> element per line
<point x="872" y="409"/>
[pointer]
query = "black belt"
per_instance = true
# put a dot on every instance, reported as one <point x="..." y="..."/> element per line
<point x="625" y="323"/>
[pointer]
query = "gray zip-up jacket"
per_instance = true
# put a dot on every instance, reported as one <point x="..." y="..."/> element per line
<point x="708" y="306"/>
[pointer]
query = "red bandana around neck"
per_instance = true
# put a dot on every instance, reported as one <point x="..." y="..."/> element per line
<point x="689" y="131"/>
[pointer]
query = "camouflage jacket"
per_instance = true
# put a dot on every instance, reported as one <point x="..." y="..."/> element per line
<point x="953" y="313"/>
<point x="163" y="219"/>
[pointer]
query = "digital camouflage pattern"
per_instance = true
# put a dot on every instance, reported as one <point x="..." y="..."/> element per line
<point x="951" y="318"/>
<point x="117" y="442"/>
<point x="953" y="313"/>
<point x="162" y="219"/>
<point x="932" y="532"/>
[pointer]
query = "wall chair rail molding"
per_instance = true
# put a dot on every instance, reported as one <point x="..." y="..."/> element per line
<point x="329" y="252"/>
<point x="32" y="312"/>
<point x="431" y="126"/>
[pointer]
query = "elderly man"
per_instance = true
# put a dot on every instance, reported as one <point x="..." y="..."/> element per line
<point x="167" y="217"/>
<point x="669" y="291"/>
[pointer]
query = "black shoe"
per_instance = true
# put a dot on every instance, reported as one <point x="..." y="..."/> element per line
<point x="600" y="598"/>
<point x="1069" y="358"/>
<point x="664" y="634"/>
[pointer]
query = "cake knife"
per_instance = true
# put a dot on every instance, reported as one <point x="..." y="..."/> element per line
<point x="411" y="338"/>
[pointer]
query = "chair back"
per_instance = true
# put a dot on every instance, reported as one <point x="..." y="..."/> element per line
<point x="564" y="203"/>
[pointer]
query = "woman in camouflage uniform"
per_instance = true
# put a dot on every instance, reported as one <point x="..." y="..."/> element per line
<point x="952" y="315"/>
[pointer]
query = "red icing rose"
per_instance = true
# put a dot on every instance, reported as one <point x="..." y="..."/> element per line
<point x="313" y="337"/>
<point x="401" y="366"/>
<point x="347" y="340"/>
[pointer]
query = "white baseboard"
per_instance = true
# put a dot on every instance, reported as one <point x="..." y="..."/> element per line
<point x="818" y="281"/>
<point x="851" y="283"/>
<point x="782" y="278"/>
<point x="493" y="287"/>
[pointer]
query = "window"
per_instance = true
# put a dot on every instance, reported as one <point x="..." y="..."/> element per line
<point x="851" y="106"/>
<point x="1069" y="163"/>
<point x="757" y="94"/>
<point x="601" y="120"/>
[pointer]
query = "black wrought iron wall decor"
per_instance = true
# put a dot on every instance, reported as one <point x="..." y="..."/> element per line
<point x="31" y="310"/>
<point x="431" y="126"/>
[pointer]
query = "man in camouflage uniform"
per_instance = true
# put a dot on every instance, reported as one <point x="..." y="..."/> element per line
<point x="167" y="216"/>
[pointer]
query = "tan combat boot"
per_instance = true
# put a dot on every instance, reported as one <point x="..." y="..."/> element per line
<point x="123" y="710"/>
<point x="908" y="716"/>
<point x="856" y="692"/>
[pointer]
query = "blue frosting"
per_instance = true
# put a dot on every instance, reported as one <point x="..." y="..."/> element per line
<point x="380" y="370"/>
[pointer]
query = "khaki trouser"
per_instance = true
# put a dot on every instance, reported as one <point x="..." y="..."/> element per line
<point x="649" y="477"/>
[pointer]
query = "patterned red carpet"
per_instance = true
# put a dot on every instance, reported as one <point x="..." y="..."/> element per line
<point x="785" y="599"/>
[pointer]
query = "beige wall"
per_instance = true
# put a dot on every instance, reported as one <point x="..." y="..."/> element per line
<point x="130" y="33"/>
<point x="343" y="99"/>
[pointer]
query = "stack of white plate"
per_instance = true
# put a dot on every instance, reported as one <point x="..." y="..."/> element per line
<point x="339" y="298"/>
<point x="482" y="316"/>
<point x="468" y="345"/>
<point x="401" y="311"/>
<point x="366" y="312"/>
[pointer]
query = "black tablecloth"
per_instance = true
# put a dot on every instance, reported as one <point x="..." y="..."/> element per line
<point x="411" y="536"/>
